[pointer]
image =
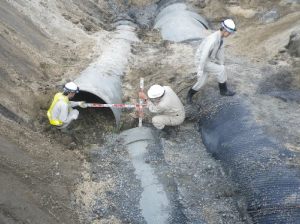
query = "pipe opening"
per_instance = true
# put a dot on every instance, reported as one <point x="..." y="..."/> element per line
<point x="91" y="98"/>
<point x="125" y="21"/>
<point x="177" y="22"/>
<point x="165" y="3"/>
<point x="88" y="97"/>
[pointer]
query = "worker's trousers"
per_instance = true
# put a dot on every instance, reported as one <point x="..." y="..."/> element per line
<point x="160" y="121"/>
<point x="73" y="115"/>
<point x="213" y="68"/>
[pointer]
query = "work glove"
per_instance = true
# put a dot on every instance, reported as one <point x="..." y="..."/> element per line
<point x="82" y="104"/>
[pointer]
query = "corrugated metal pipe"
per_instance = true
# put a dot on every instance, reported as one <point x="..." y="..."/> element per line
<point x="154" y="203"/>
<point x="263" y="168"/>
<point x="177" y="23"/>
<point x="102" y="78"/>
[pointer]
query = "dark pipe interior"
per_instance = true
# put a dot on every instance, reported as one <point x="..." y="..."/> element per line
<point x="87" y="97"/>
<point x="91" y="98"/>
<point x="164" y="3"/>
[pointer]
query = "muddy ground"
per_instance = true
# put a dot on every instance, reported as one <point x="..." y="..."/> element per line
<point x="86" y="177"/>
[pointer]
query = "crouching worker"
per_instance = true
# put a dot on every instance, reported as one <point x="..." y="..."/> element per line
<point x="61" y="112"/>
<point x="164" y="102"/>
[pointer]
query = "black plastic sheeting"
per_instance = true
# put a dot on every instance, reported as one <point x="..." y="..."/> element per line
<point x="261" y="167"/>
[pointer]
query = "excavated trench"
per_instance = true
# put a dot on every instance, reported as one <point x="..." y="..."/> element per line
<point x="259" y="165"/>
<point x="141" y="176"/>
<point x="154" y="198"/>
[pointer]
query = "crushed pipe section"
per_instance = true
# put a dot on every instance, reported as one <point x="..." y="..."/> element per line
<point x="103" y="77"/>
<point x="262" y="168"/>
<point x="177" y="23"/>
<point x="154" y="203"/>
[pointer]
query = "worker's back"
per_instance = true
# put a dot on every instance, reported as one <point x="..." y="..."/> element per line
<point x="171" y="103"/>
<point x="210" y="47"/>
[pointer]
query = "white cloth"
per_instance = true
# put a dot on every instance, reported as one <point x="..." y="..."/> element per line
<point x="64" y="112"/>
<point x="169" y="109"/>
<point x="209" y="58"/>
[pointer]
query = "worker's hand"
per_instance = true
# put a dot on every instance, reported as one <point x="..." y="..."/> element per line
<point x="82" y="104"/>
<point x="142" y="95"/>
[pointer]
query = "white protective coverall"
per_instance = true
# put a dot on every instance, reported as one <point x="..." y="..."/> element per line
<point x="169" y="109"/>
<point x="209" y="58"/>
<point x="64" y="111"/>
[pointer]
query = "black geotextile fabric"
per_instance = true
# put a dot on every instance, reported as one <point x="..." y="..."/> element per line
<point x="256" y="162"/>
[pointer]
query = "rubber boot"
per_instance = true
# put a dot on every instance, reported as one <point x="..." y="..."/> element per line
<point x="190" y="95"/>
<point x="224" y="91"/>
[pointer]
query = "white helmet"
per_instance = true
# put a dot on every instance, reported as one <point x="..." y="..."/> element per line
<point x="156" y="91"/>
<point x="71" y="87"/>
<point x="228" y="25"/>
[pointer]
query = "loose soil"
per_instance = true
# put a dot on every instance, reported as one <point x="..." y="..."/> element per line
<point x="86" y="176"/>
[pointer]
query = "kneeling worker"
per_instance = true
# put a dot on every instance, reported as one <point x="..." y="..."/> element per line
<point x="61" y="112"/>
<point x="165" y="103"/>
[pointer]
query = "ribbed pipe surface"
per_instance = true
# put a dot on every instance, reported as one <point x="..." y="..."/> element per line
<point x="154" y="203"/>
<point x="103" y="77"/>
<point x="260" y="166"/>
<point x="177" y="23"/>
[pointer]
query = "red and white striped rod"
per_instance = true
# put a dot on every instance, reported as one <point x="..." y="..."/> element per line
<point x="139" y="106"/>
<point x="114" y="105"/>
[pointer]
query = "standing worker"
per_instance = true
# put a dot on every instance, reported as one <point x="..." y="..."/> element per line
<point x="61" y="112"/>
<point x="165" y="103"/>
<point x="210" y="59"/>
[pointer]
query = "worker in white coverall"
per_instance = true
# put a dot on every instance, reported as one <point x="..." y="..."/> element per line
<point x="165" y="103"/>
<point x="61" y="112"/>
<point x="209" y="58"/>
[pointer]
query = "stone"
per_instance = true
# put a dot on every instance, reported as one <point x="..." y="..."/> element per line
<point x="293" y="46"/>
<point x="201" y="4"/>
<point x="270" y="16"/>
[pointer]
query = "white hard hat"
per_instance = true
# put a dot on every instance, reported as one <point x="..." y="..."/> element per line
<point x="156" y="91"/>
<point x="71" y="87"/>
<point x="228" y="25"/>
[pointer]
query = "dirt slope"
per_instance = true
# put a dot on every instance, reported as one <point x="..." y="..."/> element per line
<point x="45" y="43"/>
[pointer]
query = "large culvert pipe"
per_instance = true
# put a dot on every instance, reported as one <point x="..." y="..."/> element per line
<point x="103" y="77"/>
<point x="177" y="23"/>
<point x="260" y="166"/>
<point x="154" y="202"/>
